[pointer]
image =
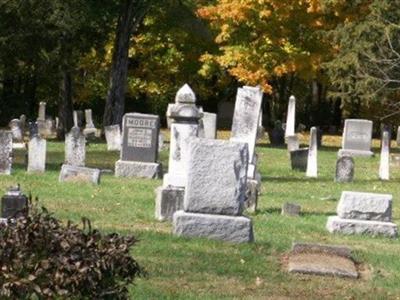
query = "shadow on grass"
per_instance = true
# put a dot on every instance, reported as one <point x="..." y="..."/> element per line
<point x="278" y="210"/>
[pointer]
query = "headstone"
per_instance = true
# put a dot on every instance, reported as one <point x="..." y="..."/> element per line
<point x="395" y="160"/>
<point x="245" y="121"/>
<point x="185" y="115"/>
<point x="22" y="120"/>
<point x="161" y="139"/>
<point x="357" y="138"/>
<point x="42" y="111"/>
<point x="398" y="136"/>
<point x="37" y="154"/>
<point x="113" y="137"/>
<point x="344" y="169"/>
<point x="292" y="142"/>
<point x="6" y="147"/>
<point x="225" y="114"/>
<point x="75" y="118"/>
<point x="291" y="117"/>
<point x="363" y="213"/>
<point x="168" y="115"/>
<point x="291" y="209"/>
<point x="208" y="126"/>
<point x="299" y="159"/>
<point x="312" y="165"/>
<point x="79" y="174"/>
<point x="319" y="136"/>
<point x="215" y="192"/>
<point x="139" y="150"/>
<point x="14" y="204"/>
<point x="277" y="135"/>
<point x="260" y="129"/>
<point x="75" y="148"/>
<point x="318" y="259"/>
<point x="385" y="157"/>
<point x="16" y="129"/>
<point x="90" y="130"/>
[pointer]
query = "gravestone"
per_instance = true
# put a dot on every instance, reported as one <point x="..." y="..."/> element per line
<point x="260" y="129"/>
<point x="37" y="154"/>
<point x="245" y="121"/>
<point x="215" y="192"/>
<point x="90" y="130"/>
<point x="363" y="213"/>
<point x="298" y="159"/>
<point x="277" y="135"/>
<point x="357" y="138"/>
<point x="71" y="173"/>
<point x="139" y="149"/>
<point x="6" y="148"/>
<point x="113" y="137"/>
<point x="168" y="115"/>
<point x="208" y="126"/>
<point x="344" y="169"/>
<point x="385" y="157"/>
<point x="291" y="209"/>
<point x="16" y="129"/>
<point x="42" y="111"/>
<point x="291" y="117"/>
<point x="312" y="164"/>
<point x="22" y="121"/>
<point x="292" y="142"/>
<point x="185" y="115"/>
<point x="14" y="204"/>
<point x="161" y="139"/>
<point x="75" y="148"/>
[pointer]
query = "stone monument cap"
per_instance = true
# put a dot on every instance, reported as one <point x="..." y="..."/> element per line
<point x="185" y="95"/>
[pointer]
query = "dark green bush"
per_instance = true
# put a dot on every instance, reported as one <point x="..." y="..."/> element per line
<point x="41" y="258"/>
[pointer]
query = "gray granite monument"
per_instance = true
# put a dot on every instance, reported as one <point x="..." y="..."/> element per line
<point x="344" y="169"/>
<point x="312" y="164"/>
<point x="139" y="149"/>
<point x="208" y="126"/>
<point x="357" y="138"/>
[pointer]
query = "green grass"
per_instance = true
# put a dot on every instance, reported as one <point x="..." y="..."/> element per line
<point x="180" y="268"/>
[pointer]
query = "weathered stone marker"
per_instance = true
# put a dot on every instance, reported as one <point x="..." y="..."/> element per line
<point x="398" y="136"/>
<point x="298" y="159"/>
<point x="90" y="130"/>
<point x="42" y="111"/>
<point x="16" y="129"/>
<point x="293" y="143"/>
<point x="37" y="154"/>
<point x="291" y="117"/>
<point x="344" y="169"/>
<point x="185" y="115"/>
<point x="6" y="148"/>
<point x="215" y="192"/>
<point x="113" y="137"/>
<point x="363" y="213"/>
<point x="385" y="157"/>
<point x="291" y="209"/>
<point x="357" y="138"/>
<point x="208" y="126"/>
<point x="312" y="164"/>
<point x="139" y="152"/>
<point x="75" y="148"/>
<point x="14" y="204"/>
<point x="79" y="174"/>
<point x="277" y="135"/>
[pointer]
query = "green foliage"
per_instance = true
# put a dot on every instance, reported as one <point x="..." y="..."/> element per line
<point x="40" y="257"/>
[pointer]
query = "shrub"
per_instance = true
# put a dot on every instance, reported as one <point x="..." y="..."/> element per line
<point x="42" y="258"/>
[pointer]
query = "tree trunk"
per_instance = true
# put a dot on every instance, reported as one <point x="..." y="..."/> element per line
<point x="65" y="105"/>
<point x="131" y="15"/>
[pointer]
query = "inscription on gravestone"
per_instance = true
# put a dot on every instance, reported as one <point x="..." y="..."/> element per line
<point x="140" y="137"/>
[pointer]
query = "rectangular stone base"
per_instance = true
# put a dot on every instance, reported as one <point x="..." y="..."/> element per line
<point x="352" y="153"/>
<point x="350" y="226"/>
<point x="168" y="201"/>
<point x="138" y="169"/>
<point x="217" y="227"/>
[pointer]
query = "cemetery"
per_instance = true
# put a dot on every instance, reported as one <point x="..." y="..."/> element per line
<point x="199" y="150"/>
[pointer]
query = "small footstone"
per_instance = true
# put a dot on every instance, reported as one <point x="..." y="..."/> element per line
<point x="291" y="209"/>
<point x="348" y="226"/>
<point x="320" y="259"/>
<point x="168" y="200"/>
<point x="79" y="174"/>
<point x="226" y="228"/>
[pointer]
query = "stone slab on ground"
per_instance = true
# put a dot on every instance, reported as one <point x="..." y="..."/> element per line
<point x="291" y="209"/>
<point x="365" y="206"/>
<point x="217" y="227"/>
<point x="71" y="173"/>
<point x="138" y="169"/>
<point x="347" y="226"/>
<point x="339" y="250"/>
<point x="168" y="200"/>
<point x="321" y="263"/>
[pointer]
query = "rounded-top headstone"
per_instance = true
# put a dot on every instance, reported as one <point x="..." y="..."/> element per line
<point x="185" y="95"/>
<point x="292" y="98"/>
<point x="344" y="169"/>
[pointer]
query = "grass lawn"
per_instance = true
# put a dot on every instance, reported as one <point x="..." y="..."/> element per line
<point x="181" y="268"/>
